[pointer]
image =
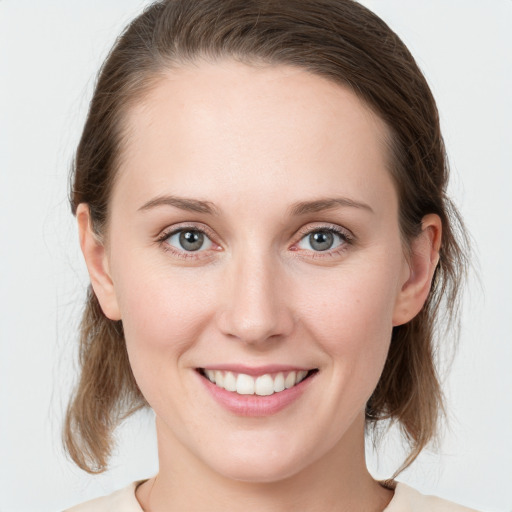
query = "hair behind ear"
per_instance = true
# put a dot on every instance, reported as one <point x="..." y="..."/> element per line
<point x="408" y="391"/>
<point x="106" y="393"/>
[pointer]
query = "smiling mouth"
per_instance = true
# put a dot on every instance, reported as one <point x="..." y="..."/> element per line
<point x="263" y="385"/>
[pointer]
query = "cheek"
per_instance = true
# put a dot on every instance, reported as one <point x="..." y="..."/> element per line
<point x="163" y="315"/>
<point x="350" y="313"/>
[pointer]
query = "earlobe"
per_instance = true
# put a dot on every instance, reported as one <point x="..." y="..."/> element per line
<point x="422" y="265"/>
<point x="95" y="256"/>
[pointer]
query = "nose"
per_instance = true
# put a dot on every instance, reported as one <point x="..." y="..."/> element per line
<point x="255" y="308"/>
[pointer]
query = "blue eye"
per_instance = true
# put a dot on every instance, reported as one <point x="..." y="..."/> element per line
<point x="322" y="240"/>
<point x="190" y="240"/>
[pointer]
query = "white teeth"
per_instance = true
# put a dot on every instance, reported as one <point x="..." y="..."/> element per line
<point x="301" y="375"/>
<point x="264" y="385"/>
<point x="290" y="380"/>
<point x="244" y="384"/>
<point x="229" y="382"/>
<point x="279" y="383"/>
<point x="219" y="379"/>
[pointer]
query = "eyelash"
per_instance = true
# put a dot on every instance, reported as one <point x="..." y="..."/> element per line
<point x="186" y="255"/>
<point x="346" y="237"/>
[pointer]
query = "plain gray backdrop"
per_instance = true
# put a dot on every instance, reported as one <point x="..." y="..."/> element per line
<point x="49" y="54"/>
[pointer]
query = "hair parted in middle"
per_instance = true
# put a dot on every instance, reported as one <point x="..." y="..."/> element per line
<point x="336" y="39"/>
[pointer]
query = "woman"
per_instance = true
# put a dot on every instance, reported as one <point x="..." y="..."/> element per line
<point x="260" y="195"/>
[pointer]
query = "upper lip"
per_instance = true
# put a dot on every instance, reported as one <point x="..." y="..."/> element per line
<point x="255" y="370"/>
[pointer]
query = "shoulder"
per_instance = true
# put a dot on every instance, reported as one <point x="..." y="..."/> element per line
<point x="407" y="499"/>
<point x="123" y="500"/>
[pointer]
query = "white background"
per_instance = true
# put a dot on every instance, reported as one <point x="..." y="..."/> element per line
<point x="49" y="54"/>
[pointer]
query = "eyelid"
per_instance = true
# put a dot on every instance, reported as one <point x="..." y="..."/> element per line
<point x="166" y="233"/>
<point x="304" y="231"/>
<point x="345" y="234"/>
<point x="176" y="228"/>
<point x="321" y="226"/>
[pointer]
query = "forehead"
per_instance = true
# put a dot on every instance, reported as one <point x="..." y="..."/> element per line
<point x="215" y="128"/>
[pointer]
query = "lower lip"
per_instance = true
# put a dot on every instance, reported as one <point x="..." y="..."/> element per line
<point x="255" y="405"/>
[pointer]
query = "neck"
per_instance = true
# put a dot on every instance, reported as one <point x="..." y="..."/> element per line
<point x="338" y="481"/>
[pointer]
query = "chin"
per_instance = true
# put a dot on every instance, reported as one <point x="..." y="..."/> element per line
<point x="255" y="463"/>
<point x="244" y="471"/>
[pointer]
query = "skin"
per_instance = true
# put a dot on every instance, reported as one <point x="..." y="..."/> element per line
<point x="253" y="142"/>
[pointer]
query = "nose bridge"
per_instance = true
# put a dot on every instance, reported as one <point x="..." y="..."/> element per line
<point x="254" y="310"/>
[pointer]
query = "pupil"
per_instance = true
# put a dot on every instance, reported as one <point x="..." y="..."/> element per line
<point x="191" y="240"/>
<point x="321" y="240"/>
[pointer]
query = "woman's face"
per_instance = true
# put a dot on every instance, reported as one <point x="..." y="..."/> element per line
<point x="254" y="241"/>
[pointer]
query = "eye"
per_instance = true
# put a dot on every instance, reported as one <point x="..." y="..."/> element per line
<point x="321" y="240"/>
<point x="190" y="240"/>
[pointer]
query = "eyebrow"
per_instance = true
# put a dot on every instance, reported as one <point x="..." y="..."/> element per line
<point x="300" y="208"/>
<point x="183" y="203"/>
<point x="328" y="203"/>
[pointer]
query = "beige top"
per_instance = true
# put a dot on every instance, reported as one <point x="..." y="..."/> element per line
<point x="406" y="499"/>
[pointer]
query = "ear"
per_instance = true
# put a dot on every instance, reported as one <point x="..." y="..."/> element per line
<point x="95" y="255"/>
<point x="421" y="266"/>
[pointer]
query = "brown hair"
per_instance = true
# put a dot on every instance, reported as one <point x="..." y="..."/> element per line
<point x="337" y="39"/>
